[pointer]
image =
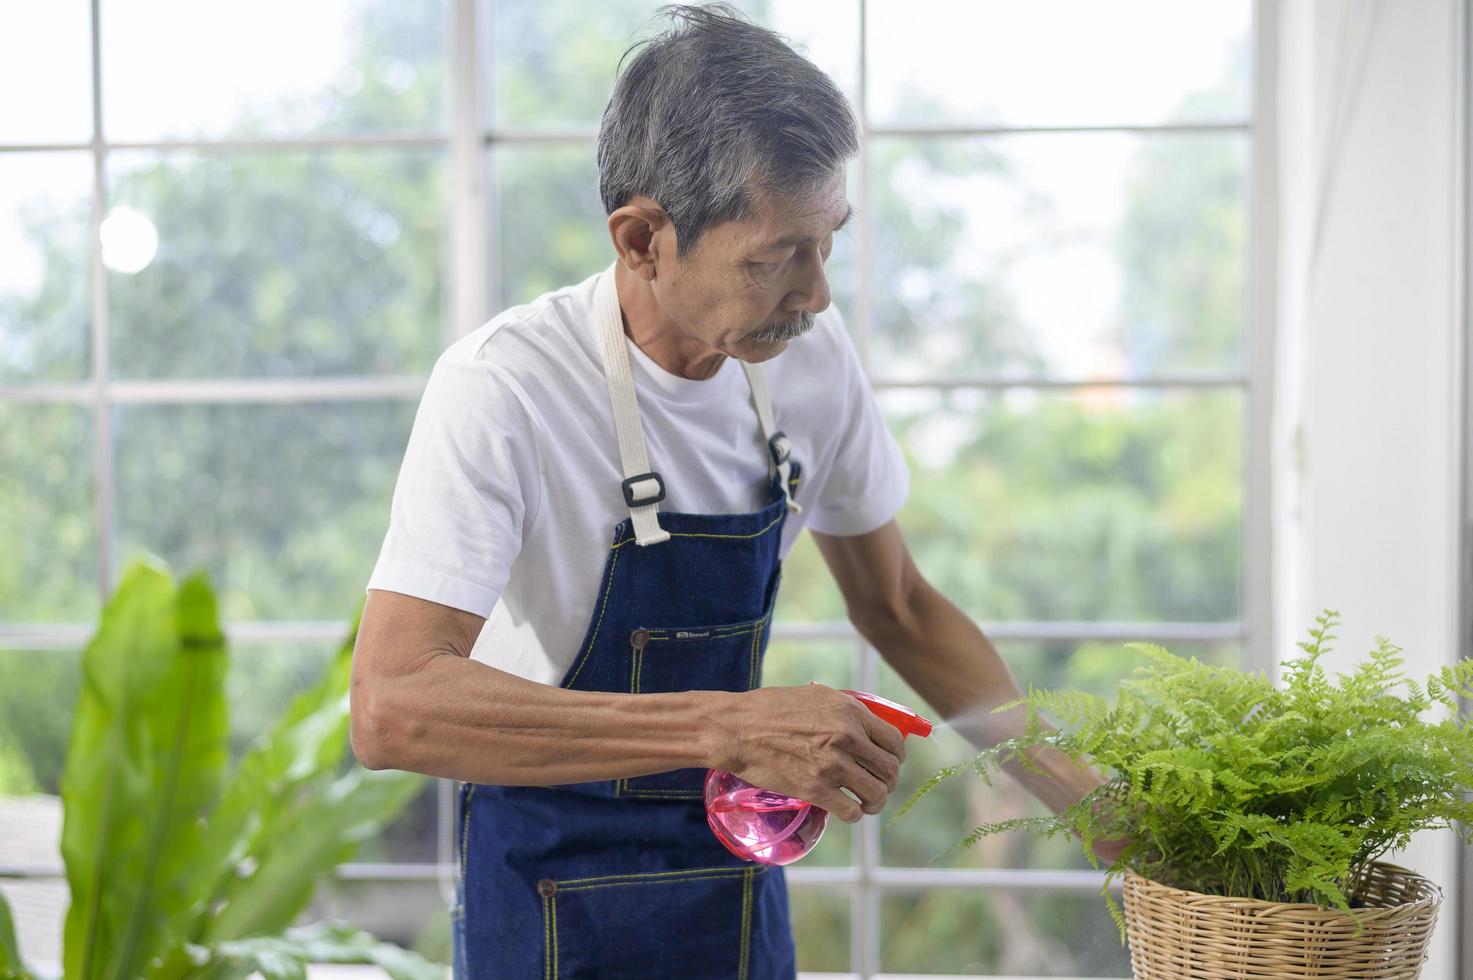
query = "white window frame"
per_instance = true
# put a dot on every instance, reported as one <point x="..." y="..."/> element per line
<point x="472" y="281"/>
<point x="1463" y="401"/>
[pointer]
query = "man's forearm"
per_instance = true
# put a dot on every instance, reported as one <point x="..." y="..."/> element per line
<point x="461" y="719"/>
<point x="940" y="652"/>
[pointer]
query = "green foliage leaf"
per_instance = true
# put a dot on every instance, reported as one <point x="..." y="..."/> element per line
<point x="286" y="772"/>
<point x="156" y="886"/>
<point x="320" y="831"/>
<point x="292" y="813"/>
<point x="1225" y="784"/>
<point x="145" y="761"/>
<point x="284" y="957"/>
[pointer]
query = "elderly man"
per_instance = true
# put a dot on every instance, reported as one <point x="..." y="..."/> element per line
<point x="613" y="473"/>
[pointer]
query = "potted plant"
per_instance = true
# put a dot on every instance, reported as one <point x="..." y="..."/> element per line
<point x="1251" y="817"/>
<point x="177" y="867"/>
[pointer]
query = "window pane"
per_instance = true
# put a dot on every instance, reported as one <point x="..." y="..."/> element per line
<point x="550" y="227"/>
<point x="820" y="918"/>
<point x="411" y="837"/>
<point x="791" y="662"/>
<point x="930" y="833"/>
<point x="284" y="505"/>
<point x="554" y="63"/>
<point x="45" y="266"/>
<point x="995" y="932"/>
<point x="414" y="914"/>
<point x="48" y="513"/>
<point x="1060" y="255"/>
<point x="1058" y="62"/>
<point x="262" y="681"/>
<point x="46" y="51"/>
<point x="272" y="68"/>
<point x="38" y="691"/>
<point x="1096" y="504"/>
<point x="808" y="592"/>
<point x="281" y="264"/>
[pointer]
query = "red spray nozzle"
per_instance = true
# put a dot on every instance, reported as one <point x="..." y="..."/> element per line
<point x="898" y="715"/>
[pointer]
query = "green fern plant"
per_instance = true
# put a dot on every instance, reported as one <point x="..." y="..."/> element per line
<point x="1223" y="783"/>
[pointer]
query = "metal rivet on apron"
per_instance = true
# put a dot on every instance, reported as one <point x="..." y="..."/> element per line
<point x="639" y="638"/>
<point x="546" y="887"/>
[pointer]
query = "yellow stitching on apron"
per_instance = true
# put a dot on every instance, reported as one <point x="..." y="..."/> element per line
<point x="552" y="899"/>
<point x="713" y="636"/>
<point x="651" y="875"/>
<point x="465" y="829"/>
<point x="691" y="534"/>
<point x="746" y="940"/>
<point x="662" y="794"/>
<point x="627" y="884"/>
<point x="752" y="661"/>
<point x="714" y="632"/>
<point x="608" y="587"/>
<point x="546" y="939"/>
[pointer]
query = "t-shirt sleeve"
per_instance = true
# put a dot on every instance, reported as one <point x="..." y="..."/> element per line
<point x="467" y="492"/>
<point x="867" y="481"/>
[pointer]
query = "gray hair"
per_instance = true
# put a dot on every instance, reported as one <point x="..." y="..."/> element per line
<point x="714" y="110"/>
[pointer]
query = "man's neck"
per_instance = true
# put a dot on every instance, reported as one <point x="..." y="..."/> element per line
<point x="660" y="339"/>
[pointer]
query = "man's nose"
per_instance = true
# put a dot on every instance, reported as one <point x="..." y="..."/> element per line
<point x="810" y="293"/>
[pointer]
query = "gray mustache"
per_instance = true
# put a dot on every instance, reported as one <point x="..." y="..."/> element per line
<point x="779" y="332"/>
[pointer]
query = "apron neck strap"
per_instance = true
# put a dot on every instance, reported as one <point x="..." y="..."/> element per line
<point x="643" y="487"/>
<point x="778" y="446"/>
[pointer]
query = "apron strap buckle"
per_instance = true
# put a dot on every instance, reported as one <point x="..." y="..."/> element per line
<point x="780" y="447"/>
<point x="643" y="489"/>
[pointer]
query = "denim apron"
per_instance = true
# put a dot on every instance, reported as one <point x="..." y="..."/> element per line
<point x="623" y="877"/>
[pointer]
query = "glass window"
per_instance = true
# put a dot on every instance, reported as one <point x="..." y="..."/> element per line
<point x="1058" y="255"/>
<point x="1107" y="503"/>
<point x="553" y="61"/>
<point x="323" y="262"/>
<point x="272" y="68"/>
<point x="46" y="48"/>
<point x="1057" y="62"/>
<point x="821" y="925"/>
<point x="1000" y="932"/>
<point x="48" y="513"/>
<point x="284" y="505"/>
<point x="45" y="266"/>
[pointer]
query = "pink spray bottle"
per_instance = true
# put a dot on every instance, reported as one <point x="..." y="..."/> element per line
<point x="759" y="825"/>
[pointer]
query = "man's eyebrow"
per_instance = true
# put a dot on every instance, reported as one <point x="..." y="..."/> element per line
<point x="795" y="239"/>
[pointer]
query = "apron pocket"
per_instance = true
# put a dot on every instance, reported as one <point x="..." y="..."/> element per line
<point x="691" y="658"/>
<point x="696" y="920"/>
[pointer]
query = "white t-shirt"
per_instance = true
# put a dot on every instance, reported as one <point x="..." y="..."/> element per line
<point x="510" y="487"/>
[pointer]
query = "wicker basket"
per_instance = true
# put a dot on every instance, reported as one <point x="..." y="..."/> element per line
<point x="1182" y="935"/>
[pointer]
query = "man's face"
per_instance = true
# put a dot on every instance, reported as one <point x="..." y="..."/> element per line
<point x="751" y="286"/>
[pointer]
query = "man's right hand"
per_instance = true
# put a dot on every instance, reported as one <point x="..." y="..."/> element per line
<point x="812" y="742"/>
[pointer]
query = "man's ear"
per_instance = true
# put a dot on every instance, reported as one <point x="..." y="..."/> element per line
<point x="636" y="230"/>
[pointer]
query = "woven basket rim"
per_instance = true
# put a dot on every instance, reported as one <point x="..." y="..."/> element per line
<point x="1433" y="896"/>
